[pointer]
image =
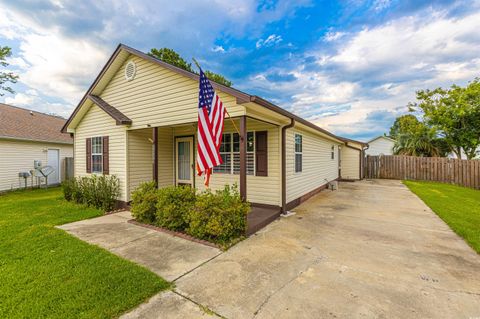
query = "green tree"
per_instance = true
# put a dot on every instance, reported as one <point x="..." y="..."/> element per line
<point x="405" y="124"/>
<point x="215" y="77"/>
<point x="172" y="57"/>
<point x="455" y="113"/>
<point x="6" y="77"/>
<point x="424" y="142"/>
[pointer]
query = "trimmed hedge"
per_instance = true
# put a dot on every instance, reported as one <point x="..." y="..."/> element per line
<point x="144" y="200"/>
<point x="219" y="217"/>
<point x="96" y="191"/>
<point x="173" y="207"/>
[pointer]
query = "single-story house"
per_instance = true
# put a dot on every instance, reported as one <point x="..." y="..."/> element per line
<point x="380" y="145"/>
<point x="138" y="120"/>
<point x="27" y="136"/>
<point x="352" y="156"/>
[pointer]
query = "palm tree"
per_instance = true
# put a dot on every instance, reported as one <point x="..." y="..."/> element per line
<point x="424" y="143"/>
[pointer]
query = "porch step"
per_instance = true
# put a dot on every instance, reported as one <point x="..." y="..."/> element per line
<point x="260" y="217"/>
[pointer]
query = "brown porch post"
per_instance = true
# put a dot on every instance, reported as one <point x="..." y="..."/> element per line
<point x="155" y="155"/>
<point x="243" y="157"/>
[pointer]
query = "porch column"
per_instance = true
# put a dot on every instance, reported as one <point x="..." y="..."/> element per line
<point x="243" y="157"/>
<point x="155" y="155"/>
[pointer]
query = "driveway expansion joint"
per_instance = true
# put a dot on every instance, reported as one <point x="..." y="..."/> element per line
<point x="202" y="307"/>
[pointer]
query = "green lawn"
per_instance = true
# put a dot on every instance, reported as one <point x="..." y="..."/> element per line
<point x="458" y="206"/>
<point x="44" y="272"/>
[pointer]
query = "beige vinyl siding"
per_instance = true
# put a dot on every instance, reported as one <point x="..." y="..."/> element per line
<point x="140" y="161"/>
<point x="98" y="123"/>
<point x="350" y="162"/>
<point x="158" y="96"/>
<point x="140" y="157"/>
<point x="166" y="171"/>
<point x="18" y="156"/>
<point x="317" y="166"/>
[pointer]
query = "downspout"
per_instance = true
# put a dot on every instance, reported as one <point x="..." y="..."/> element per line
<point x="362" y="162"/>
<point x="284" y="164"/>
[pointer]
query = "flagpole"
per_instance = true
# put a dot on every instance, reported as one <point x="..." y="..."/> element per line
<point x="226" y="111"/>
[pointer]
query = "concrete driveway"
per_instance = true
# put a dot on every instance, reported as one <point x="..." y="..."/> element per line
<point x="371" y="249"/>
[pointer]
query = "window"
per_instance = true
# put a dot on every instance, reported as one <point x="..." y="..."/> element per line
<point x="97" y="155"/>
<point x="333" y="152"/>
<point x="226" y="154"/>
<point x="298" y="153"/>
<point x="230" y="149"/>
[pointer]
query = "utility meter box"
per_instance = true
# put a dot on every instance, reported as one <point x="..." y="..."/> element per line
<point x="37" y="164"/>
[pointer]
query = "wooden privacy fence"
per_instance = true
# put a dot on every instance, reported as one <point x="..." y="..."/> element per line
<point x="447" y="170"/>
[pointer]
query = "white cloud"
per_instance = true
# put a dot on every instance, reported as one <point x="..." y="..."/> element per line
<point x="333" y="36"/>
<point x="62" y="47"/>
<point x="379" y="69"/>
<point x="271" y="40"/>
<point x="59" y="66"/>
<point x="218" y="48"/>
<point x="50" y="63"/>
<point x="380" y="5"/>
<point x="31" y="100"/>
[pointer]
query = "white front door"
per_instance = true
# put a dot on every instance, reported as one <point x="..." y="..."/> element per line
<point x="184" y="160"/>
<point x="53" y="160"/>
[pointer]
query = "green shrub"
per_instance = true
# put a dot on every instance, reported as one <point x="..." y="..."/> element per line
<point x="96" y="191"/>
<point x="219" y="217"/>
<point x="69" y="188"/>
<point x="107" y="192"/>
<point x="174" y="206"/>
<point x="144" y="201"/>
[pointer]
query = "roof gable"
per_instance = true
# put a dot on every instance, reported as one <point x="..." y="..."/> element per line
<point x="383" y="137"/>
<point x="23" y="124"/>
<point x="123" y="53"/>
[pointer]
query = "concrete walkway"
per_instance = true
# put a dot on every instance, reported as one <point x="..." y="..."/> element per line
<point x="168" y="256"/>
<point x="370" y="250"/>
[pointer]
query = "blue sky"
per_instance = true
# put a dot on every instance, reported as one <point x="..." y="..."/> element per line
<point x="349" y="66"/>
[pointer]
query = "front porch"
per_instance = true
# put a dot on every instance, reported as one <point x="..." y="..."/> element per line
<point x="167" y="156"/>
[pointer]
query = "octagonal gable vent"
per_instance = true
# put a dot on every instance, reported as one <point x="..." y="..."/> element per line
<point x="130" y="70"/>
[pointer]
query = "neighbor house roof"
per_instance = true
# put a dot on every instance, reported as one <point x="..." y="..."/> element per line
<point x="22" y="124"/>
<point x="241" y="97"/>
<point x="381" y="136"/>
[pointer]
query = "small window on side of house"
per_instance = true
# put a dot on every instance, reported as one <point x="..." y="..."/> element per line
<point x="298" y="153"/>
<point x="333" y="152"/>
<point x="97" y="155"/>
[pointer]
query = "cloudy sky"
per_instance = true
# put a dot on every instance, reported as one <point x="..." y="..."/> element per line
<point x="349" y="66"/>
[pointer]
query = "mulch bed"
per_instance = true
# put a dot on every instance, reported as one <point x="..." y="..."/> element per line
<point x="175" y="233"/>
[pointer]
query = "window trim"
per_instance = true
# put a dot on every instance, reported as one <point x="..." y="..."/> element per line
<point x="297" y="153"/>
<point x="97" y="154"/>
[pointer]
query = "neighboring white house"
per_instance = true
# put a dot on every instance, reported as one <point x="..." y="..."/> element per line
<point x="380" y="145"/>
<point x="27" y="136"/>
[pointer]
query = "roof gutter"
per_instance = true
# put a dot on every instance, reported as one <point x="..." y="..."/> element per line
<point x="13" y="138"/>
<point x="284" y="164"/>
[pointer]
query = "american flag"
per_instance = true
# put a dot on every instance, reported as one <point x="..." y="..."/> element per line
<point x="211" y="114"/>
